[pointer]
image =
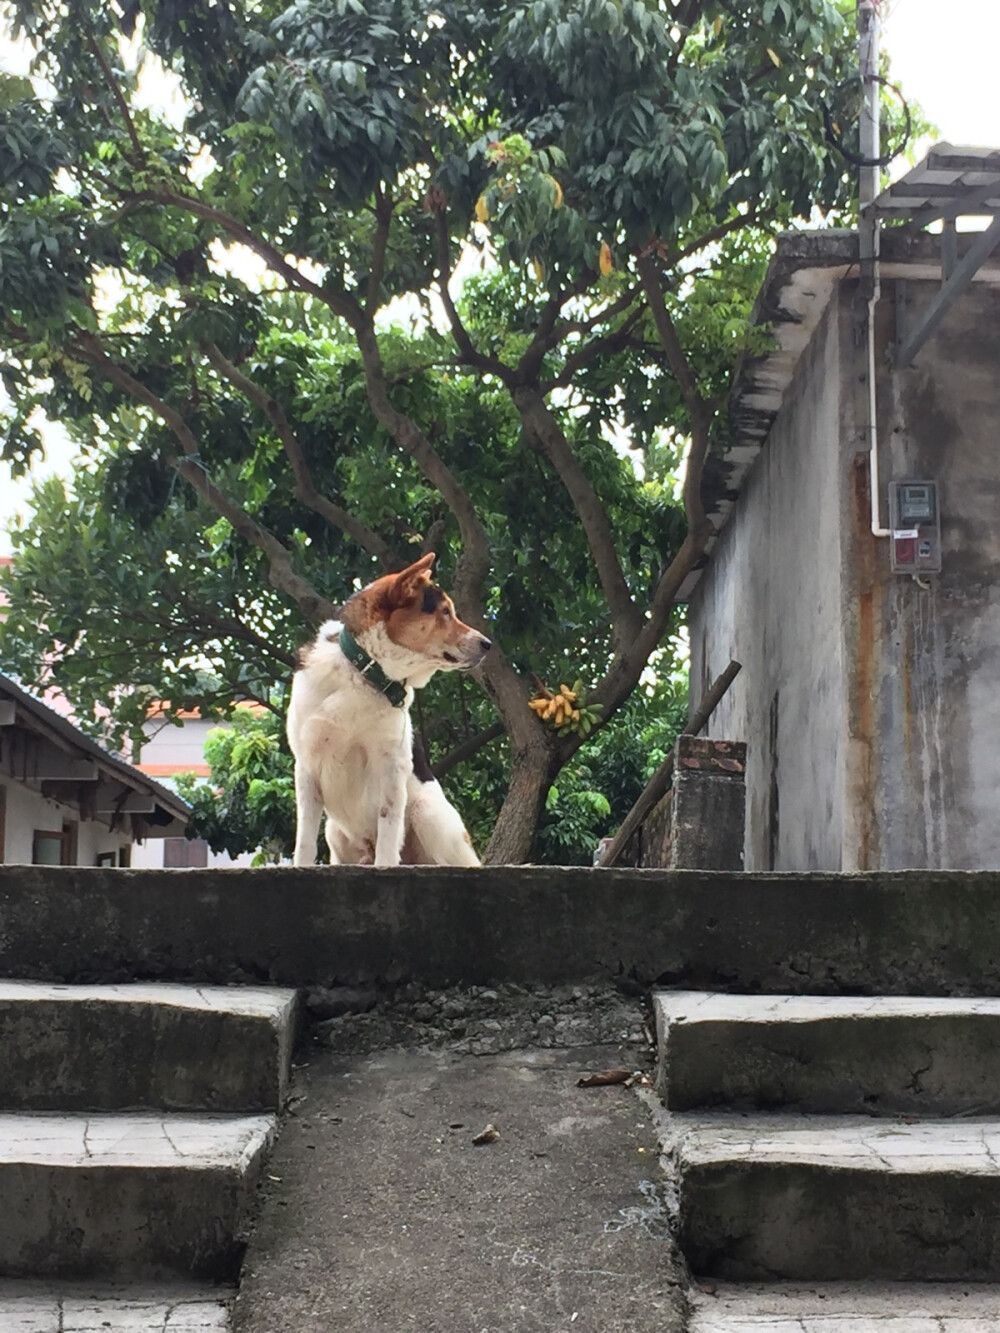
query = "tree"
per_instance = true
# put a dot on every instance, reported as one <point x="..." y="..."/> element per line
<point x="248" y="804"/>
<point x="611" y="157"/>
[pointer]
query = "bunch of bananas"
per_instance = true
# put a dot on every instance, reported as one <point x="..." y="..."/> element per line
<point x="565" y="709"/>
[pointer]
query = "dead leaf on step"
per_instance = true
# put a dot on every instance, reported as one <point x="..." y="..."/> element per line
<point x="488" y="1135"/>
<point x="605" y="1079"/>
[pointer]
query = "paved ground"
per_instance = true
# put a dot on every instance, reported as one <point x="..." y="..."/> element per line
<point x="382" y="1213"/>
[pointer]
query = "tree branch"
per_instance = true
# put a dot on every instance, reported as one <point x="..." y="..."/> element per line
<point x="398" y="376"/>
<point x="547" y="335"/>
<point x="383" y="216"/>
<point x="474" y="564"/>
<point x="547" y="438"/>
<point x="687" y="12"/>
<point x="470" y="746"/>
<point x="314" y="607"/>
<point x="498" y="677"/>
<point x="750" y="218"/>
<point x="470" y="353"/>
<point x="611" y="342"/>
<point x="339" y="302"/>
<point x="110" y="79"/>
<point x="304" y="488"/>
<point x="625" y="669"/>
<point x="231" y="626"/>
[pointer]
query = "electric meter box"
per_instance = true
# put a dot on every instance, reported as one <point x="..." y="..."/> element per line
<point x="915" y="523"/>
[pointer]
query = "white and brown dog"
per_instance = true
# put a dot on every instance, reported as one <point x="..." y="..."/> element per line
<point x="350" y="732"/>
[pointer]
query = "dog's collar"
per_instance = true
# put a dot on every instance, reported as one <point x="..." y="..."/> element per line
<point x="394" y="690"/>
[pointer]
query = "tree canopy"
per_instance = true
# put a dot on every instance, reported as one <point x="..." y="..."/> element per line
<point x="494" y="243"/>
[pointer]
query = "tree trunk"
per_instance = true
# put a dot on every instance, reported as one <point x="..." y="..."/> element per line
<point x="531" y="776"/>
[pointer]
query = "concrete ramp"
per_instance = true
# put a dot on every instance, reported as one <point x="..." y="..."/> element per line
<point x="382" y="1213"/>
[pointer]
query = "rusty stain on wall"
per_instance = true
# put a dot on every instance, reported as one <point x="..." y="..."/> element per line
<point x="862" y="790"/>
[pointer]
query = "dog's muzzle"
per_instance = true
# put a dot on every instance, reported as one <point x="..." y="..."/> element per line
<point x="470" y="654"/>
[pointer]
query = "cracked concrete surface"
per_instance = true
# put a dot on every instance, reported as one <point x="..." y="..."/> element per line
<point x="136" y="1139"/>
<point x="841" y="1142"/>
<point x="148" y="1195"/>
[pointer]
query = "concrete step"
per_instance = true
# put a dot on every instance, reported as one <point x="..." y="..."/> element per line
<point x="845" y="1308"/>
<point x="56" y="1307"/>
<point x="835" y="1054"/>
<point x="171" y="1047"/>
<point x="826" y="1198"/>
<point x="127" y="1196"/>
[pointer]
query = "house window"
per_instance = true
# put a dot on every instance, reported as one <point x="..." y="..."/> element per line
<point x="3" y="822"/>
<point x="185" y="853"/>
<point x="49" y="848"/>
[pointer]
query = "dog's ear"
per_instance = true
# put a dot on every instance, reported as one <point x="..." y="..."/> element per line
<point x="414" y="576"/>
<point x="394" y="591"/>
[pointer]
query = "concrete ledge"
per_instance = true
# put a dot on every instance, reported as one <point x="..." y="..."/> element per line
<point x="836" y="1054"/>
<point x="838" y="1199"/>
<point x="36" y="1307"/>
<point x="846" y="1308"/>
<point x="914" y="932"/>
<point x="73" y="1048"/>
<point x="136" y="1196"/>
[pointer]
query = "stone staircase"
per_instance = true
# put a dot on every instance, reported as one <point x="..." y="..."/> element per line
<point x="822" y="1140"/>
<point x="134" y="1123"/>
<point x="833" y="1098"/>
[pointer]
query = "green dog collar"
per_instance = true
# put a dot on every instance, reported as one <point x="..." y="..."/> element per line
<point x="394" y="690"/>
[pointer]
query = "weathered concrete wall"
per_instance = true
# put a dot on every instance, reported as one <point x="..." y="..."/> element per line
<point x="870" y="705"/>
<point x="929" y="658"/>
<point x="917" y="932"/>
<point x="771" y="598"/>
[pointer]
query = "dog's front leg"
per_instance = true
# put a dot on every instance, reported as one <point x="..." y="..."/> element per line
<point x="308" y="808"/>
<point x="391" y="813"/>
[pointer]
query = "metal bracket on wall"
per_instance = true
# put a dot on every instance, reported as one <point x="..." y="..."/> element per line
<point x="951" y="289"/>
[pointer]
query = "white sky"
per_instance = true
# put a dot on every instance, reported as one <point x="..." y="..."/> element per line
<point x="943" y="56"/>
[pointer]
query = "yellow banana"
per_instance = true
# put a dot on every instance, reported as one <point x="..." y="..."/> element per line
<point x="606" y="262"/>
